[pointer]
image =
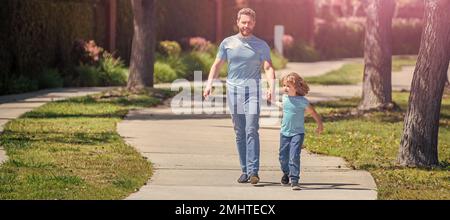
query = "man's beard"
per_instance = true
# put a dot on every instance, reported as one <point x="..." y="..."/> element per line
<point x="246" y="32"/>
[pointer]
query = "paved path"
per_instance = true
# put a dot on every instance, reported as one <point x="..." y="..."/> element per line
<point x="195" y="157"/>
<point x="13" y="106"/>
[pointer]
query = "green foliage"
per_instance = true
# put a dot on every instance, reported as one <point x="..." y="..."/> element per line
<point x="169" y="48"/>
<point x="344" y="37"/>
<point x="164" y="73"/>
<point x="110" y="71"/>
<point x="302" y="52"/>
<point x="88" y="75"/>
<point x="371" y="142"/>
<point x="278" y="61"/>
<point x="341" y="38"/>
<point x="71" y="150"/>
<point x="348" y="74"/>
<point x="50" y="78"/>
<point x="113" y="71"/>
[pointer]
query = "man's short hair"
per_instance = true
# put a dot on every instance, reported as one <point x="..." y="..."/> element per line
<point x="248" y="12"/>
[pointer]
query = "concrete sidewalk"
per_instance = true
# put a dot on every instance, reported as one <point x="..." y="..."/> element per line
<point x="13" y="106"/>
<point x="195" y="158"/>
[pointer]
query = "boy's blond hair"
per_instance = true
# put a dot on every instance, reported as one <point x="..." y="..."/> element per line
<point x="300" y="85"/>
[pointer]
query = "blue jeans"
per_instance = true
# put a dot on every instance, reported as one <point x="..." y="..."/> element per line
<point x="290" y="149"/>
<point x="245" y="110"/>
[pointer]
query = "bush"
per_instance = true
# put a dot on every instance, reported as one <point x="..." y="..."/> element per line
<point x="169" y="49"/>
<point x="17" y="84"/>
<point x="113" y="71"/>
<point x="200" y="44"/>
<point x="164" y="73"/>
<point x="302" y="52"/>
<point x="278" y="61"/>
<point x="50" y="78"/>
<point x="86" y="52"/>
<point x="88" y="76"/>
<point x="345" y="37"/>
<point x="339" y="39"/>
<point x="406" y="36"/>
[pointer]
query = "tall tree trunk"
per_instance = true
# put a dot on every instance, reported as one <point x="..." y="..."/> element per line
<point x="377" y="86"/>
<point x="419" y="143"/>
<point x="143" y="47"/>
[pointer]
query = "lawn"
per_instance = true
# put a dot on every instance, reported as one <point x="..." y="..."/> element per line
<point x="371" y="142"/>
<point x="70" y="149"/>
<point x="353" y="73"/>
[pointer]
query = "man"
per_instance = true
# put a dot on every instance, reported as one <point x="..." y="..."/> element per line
<point x="245" y="54"/>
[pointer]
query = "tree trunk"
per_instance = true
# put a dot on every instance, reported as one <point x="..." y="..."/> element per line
<point x="143" y="47"/>
<point x="377" y="86"/>
<point x="419" y="143"/>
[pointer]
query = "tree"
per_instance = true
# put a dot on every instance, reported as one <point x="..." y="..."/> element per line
<point x="377" y="86"/>
<point x="419" y="143"/>
<point x="143" y="46"/>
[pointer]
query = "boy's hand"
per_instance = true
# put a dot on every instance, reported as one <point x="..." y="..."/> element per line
<point x="319" y="129"/>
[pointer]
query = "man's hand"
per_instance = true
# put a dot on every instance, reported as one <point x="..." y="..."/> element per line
<point x="269" y="95"/>
<point x="207" y="92"/>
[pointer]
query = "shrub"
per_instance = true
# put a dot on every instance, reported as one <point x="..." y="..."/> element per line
<point x="86" y="52"/>
<point x="406" y="35"/>
<point x="113" y="71"/>
<point x="88" y="75"/>
<point x="164" y="73"/>
<point x="18" y="84"/>
<point x="200" y="44"/>
<point x="169" y="49"/>
<point x="278" y="61"/>
<point x="302" y="52"/>
<point x="342" y="38"/>
<point x="50" y="78"/>
<point x="288" y="41"/>
<point x="345" y="37"/>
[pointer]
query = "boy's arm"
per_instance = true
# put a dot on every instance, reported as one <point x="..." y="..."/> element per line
<point x="310" y="110"/>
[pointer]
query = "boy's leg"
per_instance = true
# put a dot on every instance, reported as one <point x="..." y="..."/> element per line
<point x="294" y="157"/>
<point x="284" y="153"/>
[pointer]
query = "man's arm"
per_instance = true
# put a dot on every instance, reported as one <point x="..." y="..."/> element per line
<point x="270" y="74"/>
<point x="213" y="74"/>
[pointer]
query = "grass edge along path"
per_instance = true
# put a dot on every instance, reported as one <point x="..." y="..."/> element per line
<point x="70" y="149"/>
<point x="352" y="73"/>
<point x="371" y="142"/>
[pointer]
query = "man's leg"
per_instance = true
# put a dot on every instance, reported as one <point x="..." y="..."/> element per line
<point x="239" y="128"/>
<point x="252" y="111"/>
<point x="239" y="123"/>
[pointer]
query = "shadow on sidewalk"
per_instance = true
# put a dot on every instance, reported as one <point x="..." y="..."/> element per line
<point x="309" y="186"/>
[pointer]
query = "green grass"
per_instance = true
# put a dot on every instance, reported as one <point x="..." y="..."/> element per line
<point x="350" y="74"/>
<point x="346" y="75"/>
<point x="70" y="150"/>
<point x="371" y="142"/>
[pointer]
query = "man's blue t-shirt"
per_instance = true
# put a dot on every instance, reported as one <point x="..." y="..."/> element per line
<point x="245" y="57"/>
<point x="293" y="122"/>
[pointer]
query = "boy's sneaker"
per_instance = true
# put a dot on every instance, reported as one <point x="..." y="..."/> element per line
<point x="296" y="186"/>
<point x="254" y="179"/>
<point x="285" y="179"/>
<point x="243" y="178"/>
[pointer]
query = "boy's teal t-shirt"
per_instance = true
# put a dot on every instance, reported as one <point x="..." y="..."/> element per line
<point x="245" y="57"/>
<point x="293" y="122"/>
